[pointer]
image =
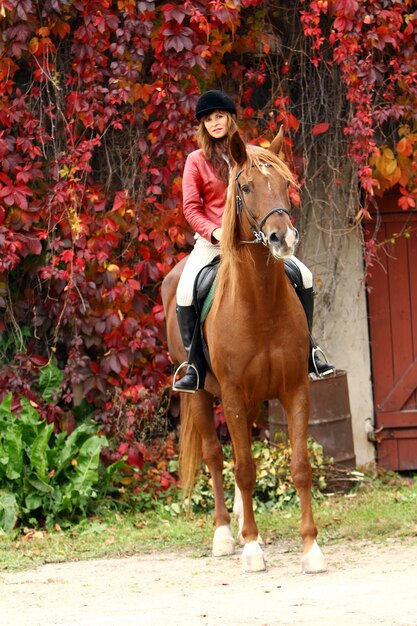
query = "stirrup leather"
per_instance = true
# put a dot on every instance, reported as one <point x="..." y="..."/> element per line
<point x="314" y="351"/>
<point x="185" y="364"/>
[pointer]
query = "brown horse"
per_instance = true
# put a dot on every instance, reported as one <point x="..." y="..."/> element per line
<point x="257" y="336"/>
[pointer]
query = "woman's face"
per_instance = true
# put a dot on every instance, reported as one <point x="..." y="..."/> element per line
<point x="216" y="124"/>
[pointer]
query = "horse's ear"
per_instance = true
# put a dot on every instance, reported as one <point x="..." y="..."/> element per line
<point x="238" y="148"/>
<point x="276" y="144"/>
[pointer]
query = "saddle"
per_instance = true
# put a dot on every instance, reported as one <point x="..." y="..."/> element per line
<point x="205" y="288"/>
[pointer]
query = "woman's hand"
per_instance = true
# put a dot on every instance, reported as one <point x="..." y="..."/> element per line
<point x="217" y="234"/>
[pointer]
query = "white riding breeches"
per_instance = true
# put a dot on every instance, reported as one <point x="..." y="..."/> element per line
<point x="202" y="254"/>
<point x="306" y="275"/>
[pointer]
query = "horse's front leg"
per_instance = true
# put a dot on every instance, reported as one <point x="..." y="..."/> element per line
<point x="238" y="513"/>
<point x="238" y="502"/>
<point x="239" y="421"/>
<point x="298" y="408"/>
<point x="212" y="454"/>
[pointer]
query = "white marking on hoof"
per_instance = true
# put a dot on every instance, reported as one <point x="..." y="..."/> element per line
<point x="223" y="542"/>
<point x="253" y="557"/>
<point x="313" y="561"/>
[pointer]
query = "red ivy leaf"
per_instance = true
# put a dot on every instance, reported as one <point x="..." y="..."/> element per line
<point x="172" y="12"/>
<point x="318" y="129"/>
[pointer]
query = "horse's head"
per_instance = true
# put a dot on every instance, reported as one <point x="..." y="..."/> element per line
<point x="259" y="187"/>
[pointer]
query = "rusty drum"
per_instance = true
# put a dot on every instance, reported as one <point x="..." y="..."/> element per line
<point x="330" y="420"/>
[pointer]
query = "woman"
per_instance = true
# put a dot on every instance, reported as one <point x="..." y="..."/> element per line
<point x="205" y="181"/>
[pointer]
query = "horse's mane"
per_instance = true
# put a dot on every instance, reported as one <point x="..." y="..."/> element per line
<point x="232" y="253"/>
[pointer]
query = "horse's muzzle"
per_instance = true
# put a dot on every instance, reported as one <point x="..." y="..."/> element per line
<point x="283" y="245"/>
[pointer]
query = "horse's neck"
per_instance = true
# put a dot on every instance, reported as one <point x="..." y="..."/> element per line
<point x="264" y="281"/>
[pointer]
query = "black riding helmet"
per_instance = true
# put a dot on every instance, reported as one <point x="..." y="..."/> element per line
<point x="214" y="100"/>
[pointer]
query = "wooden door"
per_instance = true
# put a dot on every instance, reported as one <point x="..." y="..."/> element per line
<point x="392" y="306"/>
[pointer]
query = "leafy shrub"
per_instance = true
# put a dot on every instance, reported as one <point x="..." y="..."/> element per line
<point x="46" y="476"/>
<point x="152" y="482"/>
<point x="32" y="376"/>
<point x="274" y="488"/>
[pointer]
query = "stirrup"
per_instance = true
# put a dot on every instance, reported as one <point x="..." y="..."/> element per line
<point x="331" y="369"/>
<point x="185" y="364"/>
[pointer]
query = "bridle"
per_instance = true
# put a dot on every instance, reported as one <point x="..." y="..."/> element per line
<point x="243" y="210"/>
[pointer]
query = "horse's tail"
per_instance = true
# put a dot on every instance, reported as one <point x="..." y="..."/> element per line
<point x="190" y="447"/>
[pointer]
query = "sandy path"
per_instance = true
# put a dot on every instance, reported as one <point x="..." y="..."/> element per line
<point x="365" y="585"/>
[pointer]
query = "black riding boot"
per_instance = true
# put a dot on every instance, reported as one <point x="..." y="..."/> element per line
<point x="315" y="364"/>
<point x="194" y="377"/>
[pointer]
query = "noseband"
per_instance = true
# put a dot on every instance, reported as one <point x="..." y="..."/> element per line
<point x="256" y="227"/>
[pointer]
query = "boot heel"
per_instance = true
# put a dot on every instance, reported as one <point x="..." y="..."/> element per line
<point x="175" y="383"/>
<point x="330" y="368"/>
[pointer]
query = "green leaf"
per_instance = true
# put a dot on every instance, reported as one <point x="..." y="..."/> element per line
<point x="8" y="511"/>
<point x="6" y="406"/>
<point x="30" y="423"/>
<point x="38" y="484"/>
<point x="69" y="447"/>
<point x="55" y="505"/>
<point x="29" y="415"/>
<point x="109" y="474"/>
<point x="38" y="455"/>
<point x="4" y="459"/>
<point x="6" y="417"/>
<point x="33" y="501"/>
<point x="50" y="379"/>
<point x="12" y="446"/>
<point x="88" y="461"/>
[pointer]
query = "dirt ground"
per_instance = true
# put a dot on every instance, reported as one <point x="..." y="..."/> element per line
<point x="364" y="585"/>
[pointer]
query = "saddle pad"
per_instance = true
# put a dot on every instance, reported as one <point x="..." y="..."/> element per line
<point x="208" y="301"/>
<point x="205" y="287"/>
<point x="206" y="280"/>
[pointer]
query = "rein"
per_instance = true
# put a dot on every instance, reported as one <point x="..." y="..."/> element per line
<point x="255" y="226"/>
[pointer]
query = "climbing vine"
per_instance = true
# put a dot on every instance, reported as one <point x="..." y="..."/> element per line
<point x="96" y="119"/>
<point x="374" y="45"/>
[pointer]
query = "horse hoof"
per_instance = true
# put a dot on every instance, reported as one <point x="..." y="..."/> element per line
<point x="313" y="562"/>
<point x="253" y="557"/>
<point x="223" y="542"/>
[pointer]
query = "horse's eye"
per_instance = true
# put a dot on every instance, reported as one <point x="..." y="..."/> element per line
<point x="245" y="188"/>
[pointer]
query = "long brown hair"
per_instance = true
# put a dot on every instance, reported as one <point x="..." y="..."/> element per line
<point x="215" y="149"/>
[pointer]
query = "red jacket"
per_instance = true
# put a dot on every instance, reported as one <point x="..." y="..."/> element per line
<point x="204" y="195"/>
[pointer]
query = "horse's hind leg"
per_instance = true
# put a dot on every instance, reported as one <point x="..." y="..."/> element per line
<point x="202" y="411"/>
<point x="297" y="409"/>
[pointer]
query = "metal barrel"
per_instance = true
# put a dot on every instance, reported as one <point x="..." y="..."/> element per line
<point x="330" y="422"/>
